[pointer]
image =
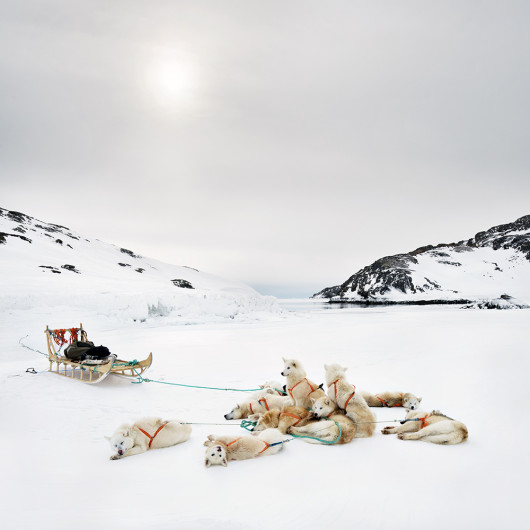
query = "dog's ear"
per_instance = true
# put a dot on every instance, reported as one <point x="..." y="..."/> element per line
<point x="270" y="391"/>
<point x="254" y="417"/>
<point x="312" y="400"/>
<point x="107" y="438"/>
<point x="345" y="368"/>
<point x="224" y="462"/>
<point x="126" y="433"/>
<point x="326" y="367"/>
<point x="419" y="399"/>
<point x="284" y="359"/>
<point x="294" y="364"/>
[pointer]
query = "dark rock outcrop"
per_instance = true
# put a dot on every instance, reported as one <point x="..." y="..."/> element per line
<point x="393" y="273"/>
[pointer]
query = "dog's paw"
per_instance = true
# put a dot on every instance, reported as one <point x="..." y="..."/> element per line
<point x="387" y="430"/>
<point x="116" y="457"/>
<point x="403" y="436"/>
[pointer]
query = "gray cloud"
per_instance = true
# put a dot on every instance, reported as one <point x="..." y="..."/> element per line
<point x="312" y="137"/>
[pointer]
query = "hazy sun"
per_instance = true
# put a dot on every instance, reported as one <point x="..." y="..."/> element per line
<point x="171" y="81"/>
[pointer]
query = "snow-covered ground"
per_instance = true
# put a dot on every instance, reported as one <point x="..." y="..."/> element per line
<point x="473" y="365"/>
<point x="43" y="264"/>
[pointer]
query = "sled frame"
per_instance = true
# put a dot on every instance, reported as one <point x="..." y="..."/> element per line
<point x="89" y="372"/>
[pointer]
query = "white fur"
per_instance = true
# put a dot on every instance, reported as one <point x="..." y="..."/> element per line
<point x="299" y="387"/>
<point x="439" y="429"/>
<point x="128" y="440"/>
<point x="222" y="449"/>
<point x="324" y="422"/>
<point x="268" y="387"/>
<point x="339" y="390"/>
<point x="258" y="406"/>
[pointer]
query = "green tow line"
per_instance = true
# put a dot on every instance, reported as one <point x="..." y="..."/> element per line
<point x="249" y="426"/>
<point x="145" y="380"/>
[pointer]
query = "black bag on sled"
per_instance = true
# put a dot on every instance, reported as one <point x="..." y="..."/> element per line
<point x="82" y="351"/>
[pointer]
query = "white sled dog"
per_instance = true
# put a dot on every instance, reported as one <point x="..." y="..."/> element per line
<point x="345" y="396"/>
<point x="433" y="427"/>
<point x="279" y="419"/>
<point x="269" y="387"/>
<point x="258" y="406"/>
<point x="222" y="449"/>
<point x="299" y="387"/>
<point x="388" y="399"/>
<point x="323" y="423"/>
<point x="147" y="433"/>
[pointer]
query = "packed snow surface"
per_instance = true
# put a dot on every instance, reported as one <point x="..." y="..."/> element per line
<point x="472" y="365"/>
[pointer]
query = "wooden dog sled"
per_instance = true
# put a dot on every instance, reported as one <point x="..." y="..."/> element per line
<point x="88" y="371"/>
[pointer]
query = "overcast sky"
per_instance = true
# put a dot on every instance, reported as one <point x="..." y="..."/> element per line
<point x="285" y="144"/>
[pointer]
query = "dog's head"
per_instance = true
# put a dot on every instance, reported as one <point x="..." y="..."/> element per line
<point x="235" y="414"/>
<point x="322" y="407"/>
<point x="411" y="402"/>
<point x="121" y="441"/>
<point x="215" y="455"/>
<point x="292" y="367"/>
<point x="334" y="372"/>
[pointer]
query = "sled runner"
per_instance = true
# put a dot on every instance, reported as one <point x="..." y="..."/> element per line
<point x="92" y="366"/>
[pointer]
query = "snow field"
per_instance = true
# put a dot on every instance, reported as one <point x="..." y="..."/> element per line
<point x="471" y="365"/>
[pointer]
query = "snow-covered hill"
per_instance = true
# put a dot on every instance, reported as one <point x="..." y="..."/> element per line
<point x="43" y="264"/>
<point x="491" y="269"/>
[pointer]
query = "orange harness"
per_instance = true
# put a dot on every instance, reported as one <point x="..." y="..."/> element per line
<point x="259" y="401"/>
<point x="263" y="400"/>
<point x="290" y="390"/>
<point x="351" y="395"/>
<point x="151" y="438"/>
<point x="292" y="416"/>
<point x="385" y="403"/>
<point x="423" y="421"/>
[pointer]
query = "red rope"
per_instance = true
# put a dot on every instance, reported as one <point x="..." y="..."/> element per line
<point x="73" y="334"/>
<point x="59" y="336"/>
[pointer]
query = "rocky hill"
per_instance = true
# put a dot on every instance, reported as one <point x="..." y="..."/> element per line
<point x="491" y="269"/>
<point x="48" y="265"/>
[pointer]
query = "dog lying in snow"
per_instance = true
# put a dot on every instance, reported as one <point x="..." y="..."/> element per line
<point x="299" y="387"/>
<point x="345" y="396"/>
<point x="147" y="433"/>
<point x="263" y="404"/>
<point x="388" y="399"/>
<point x="269" y="387"/>
<point x="222" y="449"/>
<point x="322" y="423"/>
<point x="433" y="427"/>
<point x="279" y="419"/>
